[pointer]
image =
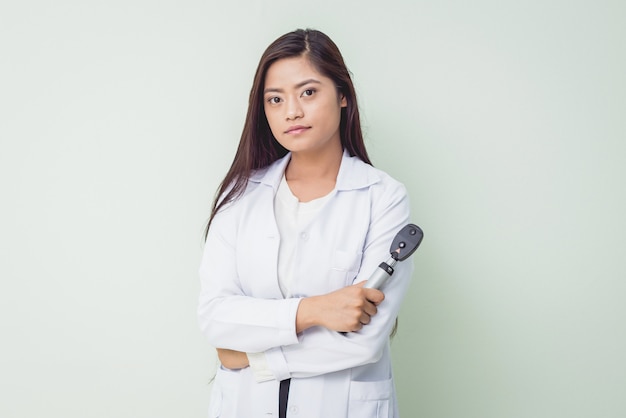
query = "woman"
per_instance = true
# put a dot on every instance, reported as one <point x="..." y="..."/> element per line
<point x="300" y="221"/>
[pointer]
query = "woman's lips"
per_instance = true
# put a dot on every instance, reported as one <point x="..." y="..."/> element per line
<point x="298" y="129"/>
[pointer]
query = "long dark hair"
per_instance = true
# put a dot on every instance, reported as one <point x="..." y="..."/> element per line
<point x="257" y="147"/>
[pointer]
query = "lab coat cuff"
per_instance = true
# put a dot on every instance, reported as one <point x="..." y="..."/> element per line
<point x="287" y="332"/>
<point x="274" y="357"/>
<point x="277" y="363"/>
<point x="259" y="367"/>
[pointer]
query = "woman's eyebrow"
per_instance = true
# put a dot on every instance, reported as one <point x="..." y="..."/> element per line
<point x="297" y="86"/>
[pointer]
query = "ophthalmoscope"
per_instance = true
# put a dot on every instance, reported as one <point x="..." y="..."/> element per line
<point x="404" y="244"/>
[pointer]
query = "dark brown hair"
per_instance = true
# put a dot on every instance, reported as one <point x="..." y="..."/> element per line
<point x="257" y="147"/>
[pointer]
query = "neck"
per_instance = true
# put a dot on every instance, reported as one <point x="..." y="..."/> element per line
<point x="313" y="175"/>
<point x="310" y="166"/>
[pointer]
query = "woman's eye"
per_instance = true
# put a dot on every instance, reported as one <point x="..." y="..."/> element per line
<point x="308" y="92"/>
<point x="273" y="100"/>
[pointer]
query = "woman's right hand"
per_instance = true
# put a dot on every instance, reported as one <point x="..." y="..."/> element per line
<point x="343" y="310"/>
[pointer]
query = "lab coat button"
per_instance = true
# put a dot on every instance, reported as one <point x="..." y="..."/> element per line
<point x="305" y="236"/>
<point x="293" y="409"/>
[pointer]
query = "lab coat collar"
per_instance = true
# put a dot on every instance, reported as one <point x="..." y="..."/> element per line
<point x="353" y="173"/>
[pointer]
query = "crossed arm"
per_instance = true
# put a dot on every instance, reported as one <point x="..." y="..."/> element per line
<point x="343" y="310"/>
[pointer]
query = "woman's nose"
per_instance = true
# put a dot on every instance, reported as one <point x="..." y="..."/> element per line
<point x="294" y="110"/>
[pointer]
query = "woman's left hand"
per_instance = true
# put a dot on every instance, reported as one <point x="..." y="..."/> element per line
<point x="232" y="359"/>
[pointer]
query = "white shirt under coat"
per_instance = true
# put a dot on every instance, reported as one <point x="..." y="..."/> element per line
<point x="242" y="307"/>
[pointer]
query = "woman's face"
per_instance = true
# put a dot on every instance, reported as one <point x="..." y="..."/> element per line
<point x="302" y="106"/>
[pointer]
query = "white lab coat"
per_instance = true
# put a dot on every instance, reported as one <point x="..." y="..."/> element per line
<point x="241" y="306"/>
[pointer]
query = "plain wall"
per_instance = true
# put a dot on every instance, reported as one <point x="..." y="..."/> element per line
<point x="505" y="119"/>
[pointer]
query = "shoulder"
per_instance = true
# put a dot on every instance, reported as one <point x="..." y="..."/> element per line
<point x="269" y="175"/>
<point x="356" y="174"/>
<point x="385" y="179"/>
<point x="388" y="192"/>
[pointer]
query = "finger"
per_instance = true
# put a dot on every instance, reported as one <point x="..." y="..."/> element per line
<point x="365" y="319"/>
<point x="374" y="295"/>
<point x="370" y="309"/>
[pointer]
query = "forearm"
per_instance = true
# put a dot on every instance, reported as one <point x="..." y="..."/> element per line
<point x="232" y="359"/>
<point x="343" y="310"/>
<point x="248" y="324"/>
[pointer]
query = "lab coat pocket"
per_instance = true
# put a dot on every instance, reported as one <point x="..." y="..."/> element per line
<point x="215" y="401"/>
<point x="371" y="399"/>
<point x="344" y="267"/>
<point x="224" y="393"/>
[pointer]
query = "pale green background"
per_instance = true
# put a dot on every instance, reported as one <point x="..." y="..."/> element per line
<point x="505" y="119"/>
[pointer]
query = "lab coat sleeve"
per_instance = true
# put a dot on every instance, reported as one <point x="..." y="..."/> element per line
<point x="227" y="317"/>
<point x="320" y="350"/>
